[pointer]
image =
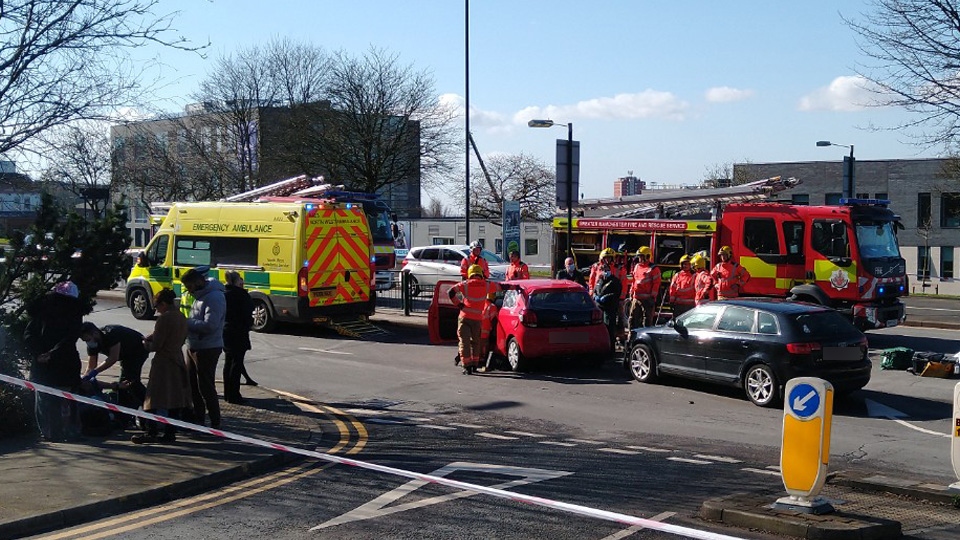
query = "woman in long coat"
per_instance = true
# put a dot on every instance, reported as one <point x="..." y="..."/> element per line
<point x="168" y="388"/>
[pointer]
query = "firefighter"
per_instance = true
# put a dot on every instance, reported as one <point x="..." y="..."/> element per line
<point x="488" y="333"/>
<point x="606" y="293"/>
<point x="682" y="288"/>
<point x="475" y="257"/>
<point x="517" y="269"/>
<point x="471" y="296"/>
<point x="729" y="277"/>
<point x="621" y="269"/>
<point x="643" y="294"/>
<point x="703" y="283"/>
<point x="606" y="261"/>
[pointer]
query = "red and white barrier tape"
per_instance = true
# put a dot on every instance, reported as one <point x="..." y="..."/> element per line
<point x="587" y="511"/>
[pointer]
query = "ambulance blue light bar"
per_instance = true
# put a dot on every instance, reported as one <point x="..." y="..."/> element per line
<point x="865" y="202"/>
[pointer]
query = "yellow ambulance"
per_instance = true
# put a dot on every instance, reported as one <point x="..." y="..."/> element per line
<point x="300" y="261"/>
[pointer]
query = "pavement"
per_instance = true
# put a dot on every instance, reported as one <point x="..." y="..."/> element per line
<point x="50" y="486"/>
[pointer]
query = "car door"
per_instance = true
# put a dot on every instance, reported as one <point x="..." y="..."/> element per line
<point x="684" y="349"/>
<point x="450" y="264"/>
<point x="427" y="271"/>
<point x="735" y="338"/>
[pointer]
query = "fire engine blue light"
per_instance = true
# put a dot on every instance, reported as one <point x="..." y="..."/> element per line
<point x="309" y="207"/>
<point x="901" y="288"/>
<point x="880" y="290"/>
<point x="349" y="206"/>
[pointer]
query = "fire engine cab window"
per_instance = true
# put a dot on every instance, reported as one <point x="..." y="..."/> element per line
<point x="760" y="236"/>
<point x="830" y="238"/>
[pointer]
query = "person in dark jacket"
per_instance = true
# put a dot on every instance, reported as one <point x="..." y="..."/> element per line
<point x="570" y="272"/>
<point x="236" y="335"/>
<point x="51" y="335"/>
<point x="204" y="341"/>
<point x="606" y="293"/>
<point x="118" y="344"/>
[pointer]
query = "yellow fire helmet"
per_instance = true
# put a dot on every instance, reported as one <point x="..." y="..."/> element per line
<point x="696" y="261"/>
<point x="607" y="253"/>
<point x="685" y="258"/>
<point x="475" y="270"/>
<point x="725" y="249"/>
<point x="644" y="250"/>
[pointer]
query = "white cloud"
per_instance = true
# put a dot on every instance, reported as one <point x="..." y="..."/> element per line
<point x="646" y="104"/>
<point x="725" y="94"/>
<point x="480" y="118"/>
<point x="846" y="94"/>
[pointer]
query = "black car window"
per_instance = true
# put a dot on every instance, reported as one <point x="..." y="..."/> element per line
<point x="822" y="324"/>
<point x="559" y="299"/>
<point x="767" y="323"/>
<point x="430" y="254"/>
<point x="736" y="319"/>
<point x="700" y="318"/>
<point x="452" y="256"/>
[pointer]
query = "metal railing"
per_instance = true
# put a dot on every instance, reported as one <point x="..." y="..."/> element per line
<point x="404" y="295"/>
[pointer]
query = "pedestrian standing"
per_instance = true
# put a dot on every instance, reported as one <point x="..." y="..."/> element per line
<point x="729" y="277"/>
<point x="517" y="269"/>
<point x="683" y="288"/>
<point x="51" y="336"/>
<point x="236" y="335"/>
<point x="168" y="387"/>
<point x="204" y="341"/>
<point x="571" y="273"/>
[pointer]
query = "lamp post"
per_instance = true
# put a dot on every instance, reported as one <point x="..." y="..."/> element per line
<point x="849" y="184"/>
<point x="569" y="126"/>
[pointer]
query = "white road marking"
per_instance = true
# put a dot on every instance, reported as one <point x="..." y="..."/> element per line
<point x="688" y="460"/>
<point x="367" y="412"/>
<point x="328" y="351"/>
<point x="468" y="426"/>
<point x="618" y="451"/>
<point x="558" y="443"/>
<point x="585" y="441"/>
<point x="525" y="434"/>
<point x="627" y="532"/>
<point x="418" y="419"/>
<point x="649" y="449"/>
<point x="495" y="436"/>
<point x="432" y="426"/>
<point x="773" y="468"/>
<point x="879" y="410"/>
<point x="378" y="506"/>
<point x="717" y="458"/>
<point x="912" y="308"/>
<point x="760" y="471"/>
<point x="384" y="421"/>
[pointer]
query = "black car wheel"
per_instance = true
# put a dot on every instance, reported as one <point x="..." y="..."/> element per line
<point x="514" y="356"/>
<point x="263" y="320"/>
<point x="413" y="287"/>
<point x="761" y="385"/>
<point x="643" y="363"/>
<point x="140" y="305"/>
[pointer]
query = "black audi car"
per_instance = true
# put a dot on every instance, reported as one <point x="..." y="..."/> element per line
<point x="757" y="344"/>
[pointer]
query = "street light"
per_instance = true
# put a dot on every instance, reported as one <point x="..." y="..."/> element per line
<point x="849" y="184"/>
<point x="569" y="126"/>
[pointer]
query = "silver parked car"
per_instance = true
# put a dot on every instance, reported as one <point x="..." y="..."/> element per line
<point x="424" y="266"/>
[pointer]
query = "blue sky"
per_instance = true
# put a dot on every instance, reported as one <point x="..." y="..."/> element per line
<point x="664" y="88"/>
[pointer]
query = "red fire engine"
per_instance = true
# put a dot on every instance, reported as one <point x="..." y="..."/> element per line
<point x="846" y="256"/>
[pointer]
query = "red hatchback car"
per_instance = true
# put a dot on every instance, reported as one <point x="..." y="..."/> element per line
<point x="549" y="318"/>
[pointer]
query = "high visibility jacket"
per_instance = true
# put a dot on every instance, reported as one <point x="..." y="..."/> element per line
<point x="683" y="288"/>
<point x="518" y="271"/>
<point x="703" y="288"/>
<point x="488" y="319"/>
<point x="646" y="281"/>
<point x="473" y="294"/>
<point x="470" y="260"/>
<point x="729" y="277"/>
<point x="620" y="270"/>
<point x="596" y="270"/>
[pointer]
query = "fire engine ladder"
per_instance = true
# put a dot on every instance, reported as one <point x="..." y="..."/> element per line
<point x="649" y="204"/>
<point x="355" y="327"/>
<point x="282" y="188"/>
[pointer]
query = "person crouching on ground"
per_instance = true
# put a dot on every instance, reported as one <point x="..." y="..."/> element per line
<point x="168" y="388"/>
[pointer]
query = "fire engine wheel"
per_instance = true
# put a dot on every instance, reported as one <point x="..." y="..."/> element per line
<point x="515" y="358"/>
<point x="761" y="385"/>
<point x="140" y="305"/>
<point x="263" y="320"/>
<point x="643" y="363"/>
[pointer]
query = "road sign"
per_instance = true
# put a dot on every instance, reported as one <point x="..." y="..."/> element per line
<point x="805" y="450"/>
<point x="955" y="437"/>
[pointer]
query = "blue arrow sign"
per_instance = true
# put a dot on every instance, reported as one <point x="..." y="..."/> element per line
<point x="804" y="400"/>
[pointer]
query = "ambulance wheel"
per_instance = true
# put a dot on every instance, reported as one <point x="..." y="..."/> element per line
<point x="140" y="305"/>
<point x="515" y="358"/>
<point x="761" y="386"/>
<point x="642" y="363"/>
<point x="263" y="320"/>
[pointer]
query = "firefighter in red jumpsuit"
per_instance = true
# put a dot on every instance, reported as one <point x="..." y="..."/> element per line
<point x="682" y="288"/>
<point x="598" y="268"/>
<point x="643" y="292"/>
<point x="475" y="257"/>
<point x="729" y="277"/>
<point x="703" y="283"/>
<point x="488" y="333"/>
<point x="471" y="295"/>
<point x="517" y="269"/>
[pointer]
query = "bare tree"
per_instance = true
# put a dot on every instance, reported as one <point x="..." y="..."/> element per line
<point x="726" y="174"/>
<point x="915" y="50"/>
<point x="435" y="209"/>
<point x="515" y="177"/>
<point x="77" y="156"/>
<point x="63" y="60"/>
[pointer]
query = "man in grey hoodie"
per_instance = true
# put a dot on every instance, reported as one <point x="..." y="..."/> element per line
<point x="204" y="341"/>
